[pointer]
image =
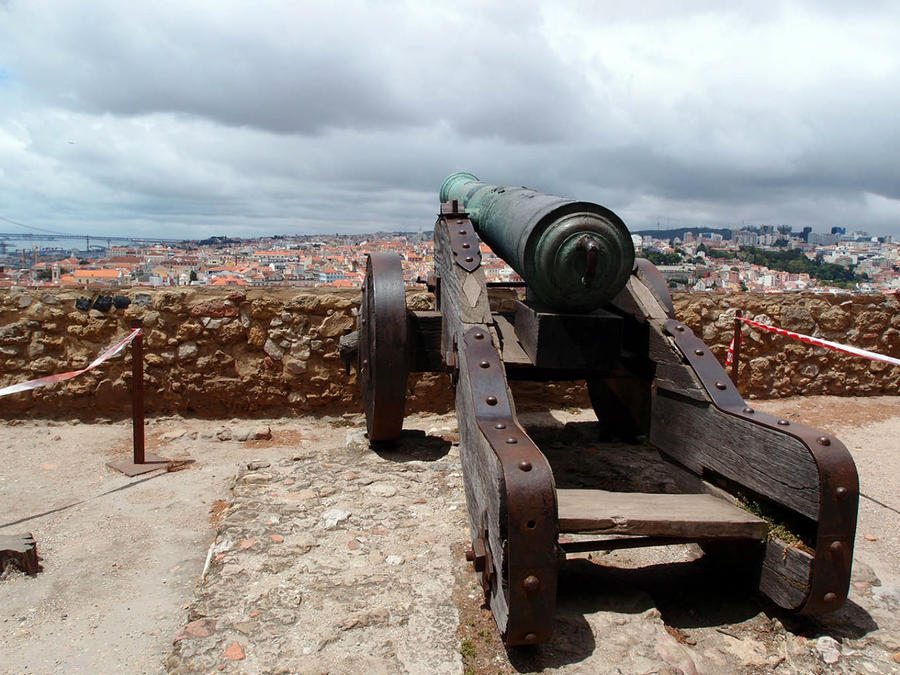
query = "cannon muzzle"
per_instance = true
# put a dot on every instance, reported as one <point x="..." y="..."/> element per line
<point x="575" y="256"/>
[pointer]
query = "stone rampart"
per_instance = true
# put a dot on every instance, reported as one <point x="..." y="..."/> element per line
<point x="773" y="366"/>
<point x="267" y="351"/>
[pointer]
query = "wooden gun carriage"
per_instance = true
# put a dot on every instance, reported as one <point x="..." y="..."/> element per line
<point x="592" y="312"/>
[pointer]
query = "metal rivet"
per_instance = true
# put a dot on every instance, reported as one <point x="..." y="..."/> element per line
<point x="748" y="411"/>
<point x="531" y="583"/>
<point x="699" y="352"/>
<point x="836" y="546"/>
<point x="469" y="258"/>
<point x="470" y="555"/>
<point x="511" y="441"/>
<point x="531" y="637"/>
<point x="458" y="222"/>
<point x="840" y="491"/>
<point x="823" y="440"/>
<point x="491" y="400"/>
<point x="531" y="524"/>
<point x="461" y="231"/>
<point x="721" y="385"/>
<point x="365" y="362"/>
<point x="784" y="423"/>
<point x="830" y="597"/>
<point x="466" y="245"/>
<point x="479" y="336"/>
<point x="485" y="364"/>
<point x="500" y="425"/>
<point x="680" y="329"/>
<point x="525" y="465"/>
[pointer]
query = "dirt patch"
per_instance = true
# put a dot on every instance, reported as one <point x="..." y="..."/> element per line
<point x="480" y="646"/>
<point x="831" y="413"/>
<point x="216" y="511"/>
<point x="280" y="438"/>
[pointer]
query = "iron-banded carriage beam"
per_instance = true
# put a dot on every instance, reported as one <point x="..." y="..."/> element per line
<point x="509" y="487"/>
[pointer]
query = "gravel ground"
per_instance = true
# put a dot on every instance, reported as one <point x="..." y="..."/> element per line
<point x="308" y="552"/>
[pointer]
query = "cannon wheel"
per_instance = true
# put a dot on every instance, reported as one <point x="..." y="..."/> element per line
<point x="383" y="357"/>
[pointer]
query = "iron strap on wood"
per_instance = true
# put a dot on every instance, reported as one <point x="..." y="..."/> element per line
<point x="531" y="528"/>
<point x="464" y="242"/>
<point x="838" y="481"/>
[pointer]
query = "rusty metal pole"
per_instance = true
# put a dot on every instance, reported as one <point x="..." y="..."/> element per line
<point x="137" y="392"/>
<point x="735" y="364"/>
<point x="141" y="463"/>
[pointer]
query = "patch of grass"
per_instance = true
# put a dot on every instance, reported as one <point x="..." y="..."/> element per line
<point x="467" y="647"/>
<point x="777" y="530"/>
<point x="484" y="634"/>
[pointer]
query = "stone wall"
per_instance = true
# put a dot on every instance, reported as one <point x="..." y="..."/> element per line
<point x="262" y="352"/>
<point x="773" y="366"/>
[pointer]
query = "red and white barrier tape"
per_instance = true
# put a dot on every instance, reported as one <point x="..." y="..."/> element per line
<point x="847" y="349"/>
<point x="53" y="379"/>
<point x="729" y="357"/>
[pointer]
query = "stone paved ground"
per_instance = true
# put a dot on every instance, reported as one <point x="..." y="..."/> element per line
<point x="326" y="557"/>
<point x="337" y="559"/>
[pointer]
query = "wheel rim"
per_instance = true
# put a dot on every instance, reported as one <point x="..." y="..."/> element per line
<point x="383" y="346"/>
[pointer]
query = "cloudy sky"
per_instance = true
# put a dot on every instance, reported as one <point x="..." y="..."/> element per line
<point x="187" y="119"/>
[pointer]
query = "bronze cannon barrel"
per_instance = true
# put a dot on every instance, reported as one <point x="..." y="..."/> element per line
<point x="575" y="256"/>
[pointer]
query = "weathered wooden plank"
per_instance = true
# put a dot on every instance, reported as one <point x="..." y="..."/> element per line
<point x="672" y="372"/>
<point x="701" y="437"/>
<point x="786" y="574"/>
<point x="484" y="485"/>
<point x="464" y="304"/>
<point x="512" y="351"/>
<point x="557" y="340"/>
<point x="425" y="337"/>
<point x="643" y="297"/>
<point x="660" y="515"/>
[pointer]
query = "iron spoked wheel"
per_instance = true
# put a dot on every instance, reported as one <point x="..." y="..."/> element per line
<point x="383" y="346"/>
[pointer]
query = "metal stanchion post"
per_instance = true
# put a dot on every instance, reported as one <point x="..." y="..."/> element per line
<point x="735" y="364"/>
<point x="142" y="462"/>
<point x="137" y="392"/>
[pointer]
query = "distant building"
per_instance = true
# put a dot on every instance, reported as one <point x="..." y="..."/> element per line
<point x="817" y="239"/>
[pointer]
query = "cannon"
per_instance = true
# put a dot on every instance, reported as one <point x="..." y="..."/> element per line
<point x="592" y="312"/>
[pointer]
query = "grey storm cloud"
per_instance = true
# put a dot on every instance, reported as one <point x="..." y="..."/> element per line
<point x="272" y="117"/>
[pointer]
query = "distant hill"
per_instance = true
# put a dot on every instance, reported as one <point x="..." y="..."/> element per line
<point x="680" y="232"/>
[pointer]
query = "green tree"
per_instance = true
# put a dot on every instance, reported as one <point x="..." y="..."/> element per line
<point x="659" y="258"/>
